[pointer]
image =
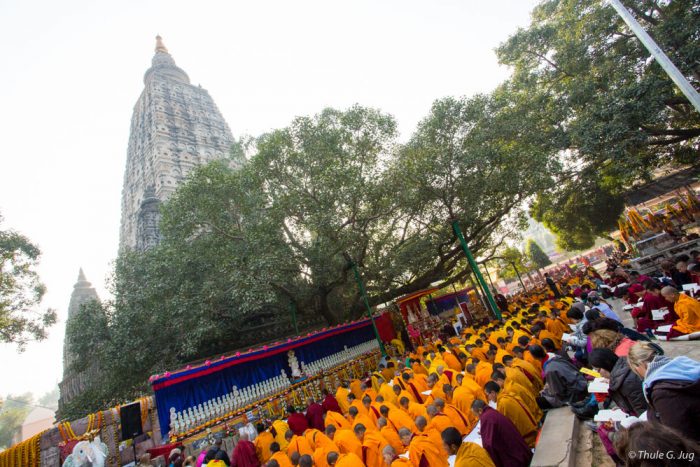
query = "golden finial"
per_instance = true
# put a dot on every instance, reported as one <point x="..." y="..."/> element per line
<point x="159" y="45"/>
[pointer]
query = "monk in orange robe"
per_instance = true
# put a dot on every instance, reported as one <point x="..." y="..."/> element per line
<point x="341" y="395"/>
<point x="334" y="418"/>
<point x="413" y="409"/>
<point x="298" y="444"/>
<point x="422" y="451"/>
<point x="373" y="443"/>
<point x="391" y="436"/>
<point x="513" y="408"/>
<point x="356" y="388"/>
<point x="262" y="443"/>
<point x="397" y="419"/>
<point x="345" y="440"/>
<point x="279" y="456"/>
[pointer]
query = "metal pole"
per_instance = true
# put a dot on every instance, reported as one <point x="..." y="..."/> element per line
<point x="518" y="274"/>
<point x="361" y="286"/>
<point x="293" y="310"/>
<point x="488" y="274"/>
<point x="475" y="268"/>
<point x="668" y="66"/>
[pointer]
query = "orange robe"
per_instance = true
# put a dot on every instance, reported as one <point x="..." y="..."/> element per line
<point x="349" y="460"/>
<point x="400" y="419"/>
<point x="531" y="372"/>
<point x="459" y="419"/>
<point x="421" y="446"/>
<point x="484" y="370"/>
<point x="462" y="398"/>
<point x="334" y="418"/>
<point x="347" y="442"/>
<point x="282" y="459"/>
<point x="361" y="409"/>
<point x="545" y="334"/>
<point x="322" y="445"/>
<point x="341" y="395"/>
<point x="262" y="446"/>
<point x="299" y="444"/>
<point x="419" y="368"/>
<point x="373" y="444"/>
<point x="366" y="421"/>
<point x="392" y="437"/>
<point x="369" y="392"/>
<point x="476" y="390"/>
<point x="452" y="361"/>
<point x="387" y="393"/>
<point x="356" y="388"/>
<point x="513" y="408"/>
<point x="471" y="454"/>
<point x="439" y="423"/>
<point x="415" y="409"/>
<point x="527" y="396"/>
<point x="688" y="311"/>
<point x="500" y="353"/>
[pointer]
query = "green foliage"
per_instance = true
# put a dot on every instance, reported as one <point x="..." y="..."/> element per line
<point x="608" y="110"/>
<point x="240" y="245"/>
<point x="511" y="262"/>
<point x="537" y="257"/>
<point x="21" y="291"/>
<point x="13" y="411"/>
<point x="578" y="211"/>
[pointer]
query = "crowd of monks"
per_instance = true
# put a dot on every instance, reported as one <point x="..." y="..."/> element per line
<point x="418" y="406"/>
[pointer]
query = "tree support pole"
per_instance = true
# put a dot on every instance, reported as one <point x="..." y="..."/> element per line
<point x="361" y="286"/>
<point x="475" y="268"/>
<point x="671" y="70"/>
<point x="519" y="278"/>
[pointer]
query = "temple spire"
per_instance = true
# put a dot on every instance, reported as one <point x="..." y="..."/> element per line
<point x="81" y="276"/>
<point x="160" y="47"/>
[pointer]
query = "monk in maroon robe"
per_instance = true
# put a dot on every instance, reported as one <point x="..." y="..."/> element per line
<point x="297" y="422"/>
<point x="501" y="438"/>
<point x="244" y="453"/>
<point x="330" y="403"/>
<point x="314" y="415"/>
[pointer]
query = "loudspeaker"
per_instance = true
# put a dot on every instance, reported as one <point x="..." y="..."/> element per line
<point x="131" y="421"/>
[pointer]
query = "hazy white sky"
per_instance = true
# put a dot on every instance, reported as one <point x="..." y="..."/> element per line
<point x="72" y="71"/>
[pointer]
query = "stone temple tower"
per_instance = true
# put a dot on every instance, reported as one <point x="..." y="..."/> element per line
<point x="175" y="127"/>
<point x="74" y="383"/>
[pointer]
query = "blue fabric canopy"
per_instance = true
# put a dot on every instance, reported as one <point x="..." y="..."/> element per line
<point x="192" y="387"/>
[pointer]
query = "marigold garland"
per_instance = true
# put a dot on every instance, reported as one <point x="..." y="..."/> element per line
<point x="25" y="454"/>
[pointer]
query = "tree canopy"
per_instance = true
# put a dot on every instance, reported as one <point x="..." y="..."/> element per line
<point x="611" y="113"/>
<point x="536" y="255"/>
<point x="21" y="291"/>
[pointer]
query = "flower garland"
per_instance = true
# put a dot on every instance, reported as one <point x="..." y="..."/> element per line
<point x="25" y="454"/>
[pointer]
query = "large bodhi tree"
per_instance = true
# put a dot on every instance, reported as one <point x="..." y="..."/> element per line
<point x="240" y="246"/>
<point x="613" y="113"/>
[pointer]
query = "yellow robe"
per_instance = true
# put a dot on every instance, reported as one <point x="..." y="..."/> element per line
<point x="281" y="429"/>
<point x="373" y="444"/>
<point x="337" y="420"/>
<point x="688" y="311"/>
<point x="341" y="395"/>
<point x="262" y="446"/>
<point x="471" y="454"/>
<point x="513" y="408"/>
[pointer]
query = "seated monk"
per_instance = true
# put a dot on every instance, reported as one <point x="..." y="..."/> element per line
<point x="390" y="435"/>
<point x="430" y="431"/>
<point x="345" y="440"/>
<point x="297" y="444"/>
<point x="334" y="418"/>
<point x="356" y="418"/>
<point x="687" y="309"/>
<point x="413" y="409"/>
<point x="348" y="459"/>
<point x="513" y="408"/>
<point x="422" y="452"/>
<point x="458" y="419"/>
<point x="280" y="457"/>
<point x="397" y="419"/>
<point x="373" y="443"/>
<point x="466" y="454"/>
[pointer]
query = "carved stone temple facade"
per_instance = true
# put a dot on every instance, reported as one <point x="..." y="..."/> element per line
<point x="175" y="127"/>
<point x="74" y="383"/>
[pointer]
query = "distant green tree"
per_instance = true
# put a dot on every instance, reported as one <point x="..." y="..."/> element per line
<point x="13" y="410"/>
<point x="537" y="257"/>
<point x="21" y="291"/>
<point x="510" y="260"/>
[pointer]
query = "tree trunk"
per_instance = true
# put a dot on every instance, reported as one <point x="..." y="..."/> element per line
<point x="324" y="309"/>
